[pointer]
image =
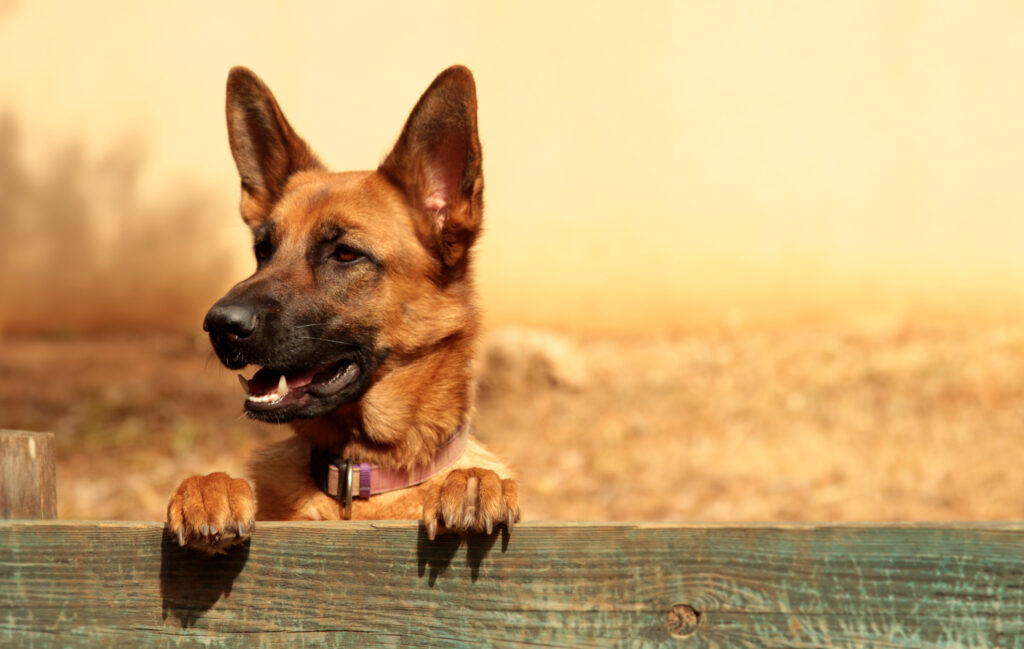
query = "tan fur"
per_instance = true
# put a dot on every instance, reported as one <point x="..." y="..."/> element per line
<point x="291" y="495"/>
<point x="418" y="215"/>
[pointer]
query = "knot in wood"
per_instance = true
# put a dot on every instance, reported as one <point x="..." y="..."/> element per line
<point x="682" y="620"/>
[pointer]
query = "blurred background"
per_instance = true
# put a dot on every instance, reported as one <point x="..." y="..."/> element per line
<point x="742" y="261"/>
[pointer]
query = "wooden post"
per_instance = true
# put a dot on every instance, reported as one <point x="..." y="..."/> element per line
<point x="28" y="482"/>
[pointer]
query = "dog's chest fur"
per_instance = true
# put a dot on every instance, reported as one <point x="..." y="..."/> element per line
<point x="285" y="490"/>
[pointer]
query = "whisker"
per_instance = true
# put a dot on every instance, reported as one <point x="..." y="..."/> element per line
<point x="327" y="340"/>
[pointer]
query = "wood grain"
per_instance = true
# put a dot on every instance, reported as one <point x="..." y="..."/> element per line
<point x="28" y="483"/>
<point x="549" y="584"/>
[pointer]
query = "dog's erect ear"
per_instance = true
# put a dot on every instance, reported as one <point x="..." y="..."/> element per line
<point x="437" y="163"/>
<point x="266" y="149"/>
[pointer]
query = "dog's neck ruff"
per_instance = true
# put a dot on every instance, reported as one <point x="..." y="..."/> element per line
<point x="345" y="480"/>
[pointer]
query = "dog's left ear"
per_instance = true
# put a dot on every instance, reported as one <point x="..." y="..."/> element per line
<point x="437" y="163"/>
<point x="266" y="148"/>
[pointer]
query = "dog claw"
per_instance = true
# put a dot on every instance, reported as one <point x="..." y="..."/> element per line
<point x="432" y="530"/>
<point x="181" y="537"/>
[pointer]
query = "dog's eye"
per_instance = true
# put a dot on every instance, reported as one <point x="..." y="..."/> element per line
<point x="263" y="250"/>
<point x="347" y="255"/>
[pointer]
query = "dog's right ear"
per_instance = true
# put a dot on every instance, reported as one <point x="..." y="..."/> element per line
<point x="266" y="149"/>
<point x="437" y="163"/>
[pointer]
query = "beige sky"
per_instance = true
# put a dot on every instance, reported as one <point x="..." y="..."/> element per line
<point x="649" y="165"/>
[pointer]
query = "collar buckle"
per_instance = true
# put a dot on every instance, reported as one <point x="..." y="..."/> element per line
<point x="338" y="481"/>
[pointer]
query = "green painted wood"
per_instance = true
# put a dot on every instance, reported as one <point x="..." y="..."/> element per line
<point x="549" y="584"/>
<point x="28" y="475"/>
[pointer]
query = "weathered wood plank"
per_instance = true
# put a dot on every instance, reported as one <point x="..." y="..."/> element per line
<point x="28" y="483"/>
<point x="553" y="584"/>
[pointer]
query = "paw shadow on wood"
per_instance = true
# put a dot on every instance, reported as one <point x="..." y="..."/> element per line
<point x="439" y="553"/>
<point x="192" y="582"/>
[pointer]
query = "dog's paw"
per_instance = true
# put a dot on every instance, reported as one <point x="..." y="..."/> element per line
<point x="470" y="500"/>
<point x="211" y="513"/>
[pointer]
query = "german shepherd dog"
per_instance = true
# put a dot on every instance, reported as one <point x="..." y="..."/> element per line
<point x="361" y="318"/>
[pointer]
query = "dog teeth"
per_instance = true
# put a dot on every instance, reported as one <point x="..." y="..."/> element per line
<point x="273" y="397"/>
<point x="280" y="393"/>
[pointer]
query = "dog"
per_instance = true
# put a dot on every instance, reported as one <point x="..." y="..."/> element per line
<point x="361" y="317"/>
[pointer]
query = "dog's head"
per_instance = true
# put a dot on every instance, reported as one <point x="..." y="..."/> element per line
<point x="357" y="273"/>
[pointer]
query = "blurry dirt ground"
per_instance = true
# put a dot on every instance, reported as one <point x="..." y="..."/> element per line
<point x="871" y="422"/>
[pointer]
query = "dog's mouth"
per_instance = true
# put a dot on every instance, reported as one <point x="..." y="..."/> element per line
<point x="275" y="394"/>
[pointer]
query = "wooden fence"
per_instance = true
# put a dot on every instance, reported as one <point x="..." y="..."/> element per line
<point x="383" y="584"/>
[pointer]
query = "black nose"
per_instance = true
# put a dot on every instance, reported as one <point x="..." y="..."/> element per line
<point x="230" y="320"/>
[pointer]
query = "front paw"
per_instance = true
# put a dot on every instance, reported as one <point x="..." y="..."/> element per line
<point x="470" y="500"/>
<point x="211" y="513"/>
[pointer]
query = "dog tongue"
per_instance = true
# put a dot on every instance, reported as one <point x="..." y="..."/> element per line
<point x="266" y="381"/>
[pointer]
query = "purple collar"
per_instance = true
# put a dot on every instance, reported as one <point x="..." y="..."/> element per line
<point x="344" y="480"/>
